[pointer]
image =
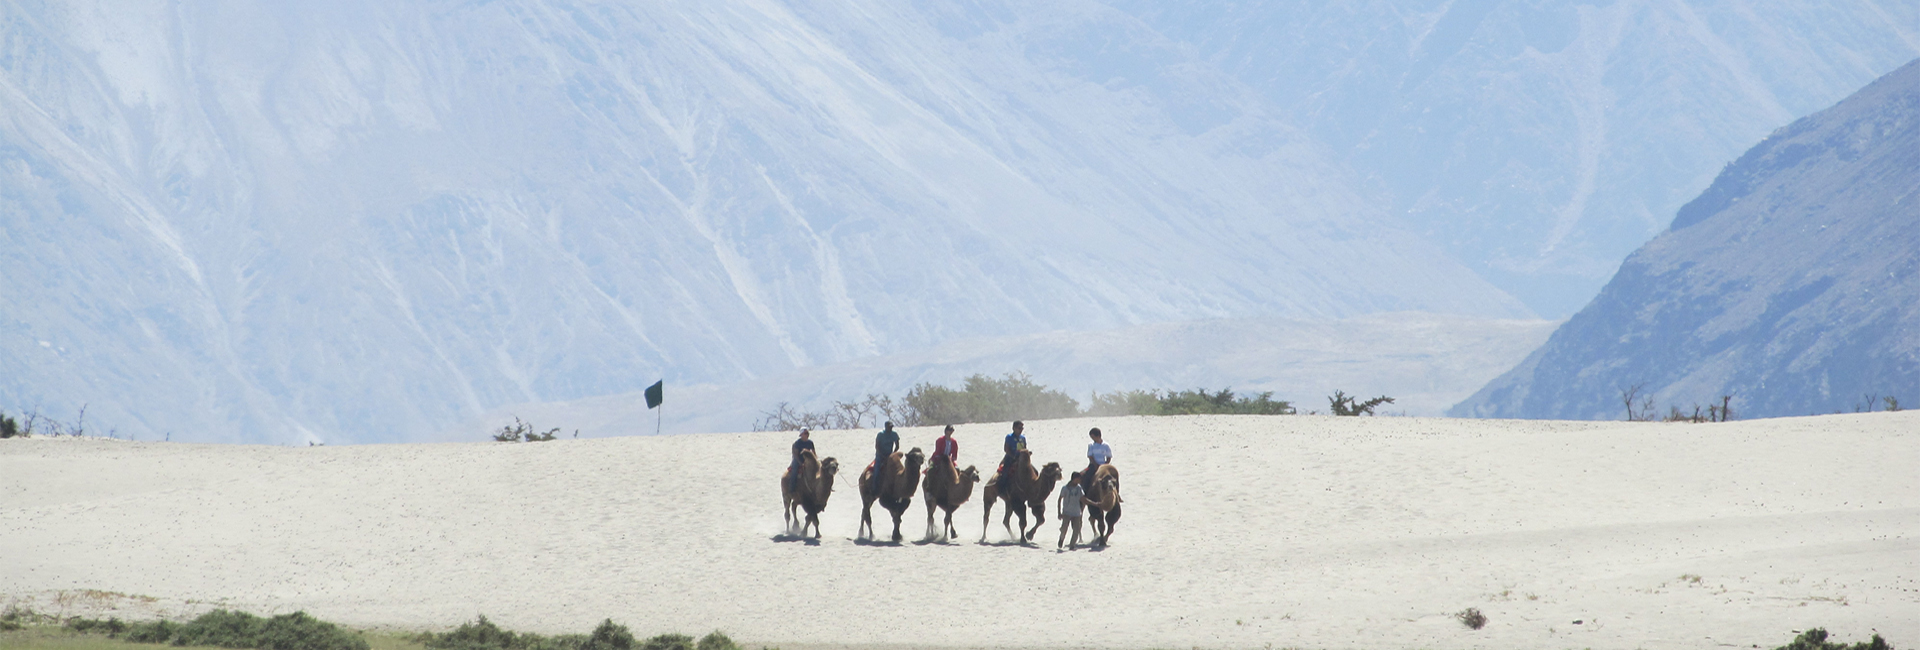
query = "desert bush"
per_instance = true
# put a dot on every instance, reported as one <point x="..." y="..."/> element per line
<point x="1204" y="402"/>
<point x="523" y="432"/>
<point x="482" y="634"/>
<point x="841" y="415"/>
<point x="109" y="627"/>
<point x="669" y="642"/>
<point x="1344" y="404"/>
<point x="1816" y="639"/>
<point x="985" y="399"/>
<point x="716" y="641"/>
<point x="1129" y="402"/>
<point x="9" y="427"/>
<point x="1472" y="618"/>
<point x="229" y="629"/>
<point x="160" y="632"/>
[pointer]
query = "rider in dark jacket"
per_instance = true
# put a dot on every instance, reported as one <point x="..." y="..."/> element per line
<point x="883" y="446"/>
<point x="793" y="467"/>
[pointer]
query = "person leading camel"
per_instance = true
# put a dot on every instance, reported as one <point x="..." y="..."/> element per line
<point x="1072" y="499"/>
<point x="1098" y="454"/>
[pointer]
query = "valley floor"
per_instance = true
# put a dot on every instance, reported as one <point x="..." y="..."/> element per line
<point x="1240" y="531"/>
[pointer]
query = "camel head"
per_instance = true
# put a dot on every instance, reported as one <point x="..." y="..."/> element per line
<point x="970" y="474"/>
<point x="914" y="460"/>
<point x="1051" y="472"/>
<point x="828" y="468"/>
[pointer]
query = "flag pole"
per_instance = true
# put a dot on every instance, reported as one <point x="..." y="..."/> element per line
<point x="661" y="415"/>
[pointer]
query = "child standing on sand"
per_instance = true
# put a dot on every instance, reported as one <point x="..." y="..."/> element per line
<point x="1072" y="499"/>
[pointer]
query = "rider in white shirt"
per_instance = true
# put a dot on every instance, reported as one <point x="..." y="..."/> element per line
<point x="1098" y="454"/>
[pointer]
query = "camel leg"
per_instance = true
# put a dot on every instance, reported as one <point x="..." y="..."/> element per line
<point x="1113" y="518"/>
<point x="1006" y="518"/>
<point x="866" y="521"/>
<point x="896" y="523"/>
<point x="986" y="513"/>
<point x="929" y="515"/>
<point x="1039" y="519"/>
<point x="951" y="531"/>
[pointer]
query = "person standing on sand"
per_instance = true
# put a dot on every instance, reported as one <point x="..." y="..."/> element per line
<point x="793" y="467"/>
<point x="1098" y="454"/>
<point x="883" y="446"/>
<point x="1072" y="499"/>
<point x="1016" y="443"/>
<point x="946" y="448"/>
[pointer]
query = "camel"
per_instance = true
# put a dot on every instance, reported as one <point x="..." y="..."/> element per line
<point x="947" y="489"/>
<point x="810" y="491"/>
<point x="1025" y="486"/>
<point x="893" y="489"/>
<point x="1105" y="510"/>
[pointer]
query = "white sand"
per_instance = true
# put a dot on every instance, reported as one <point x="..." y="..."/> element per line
<point x="1239" y="532"/>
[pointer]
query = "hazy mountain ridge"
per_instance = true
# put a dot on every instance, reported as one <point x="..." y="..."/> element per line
<point x="1427" y="362"/>
<point x="1792" y="284"/>
<point x="1541" y="141"/>
<point x="356" y="221"/>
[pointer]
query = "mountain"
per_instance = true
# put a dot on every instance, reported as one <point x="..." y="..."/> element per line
<point x="1792" y="284"/>
<point x="370" y="221"/>
<point x="1540" y="141"/>
<point x="363" y="221"/>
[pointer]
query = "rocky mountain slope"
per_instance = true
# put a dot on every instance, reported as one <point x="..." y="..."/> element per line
<point x="1540" y="141"/>
<point x="1792" y="284"/>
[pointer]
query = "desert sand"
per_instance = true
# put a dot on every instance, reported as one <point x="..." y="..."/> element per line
<point x="1239" y="532"/>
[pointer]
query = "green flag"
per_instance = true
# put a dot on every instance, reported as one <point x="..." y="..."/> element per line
<point x="656" y="393"/>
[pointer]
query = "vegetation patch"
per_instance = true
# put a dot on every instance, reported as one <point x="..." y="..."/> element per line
<point x="1816" y="639"/>
<point x="1017" y="397"/>
<point x="230" y="629"/>
<point x="482" y="634"/>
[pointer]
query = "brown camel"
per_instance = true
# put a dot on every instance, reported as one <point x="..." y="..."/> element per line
<point x="809" y="490"/>
<point x="947" y="489"/>
<point x="893" y="488"/>
<point x="1024" y="487"/>
<point x="1105" y="510"/>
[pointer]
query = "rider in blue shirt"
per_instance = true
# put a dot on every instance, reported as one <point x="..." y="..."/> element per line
<point x="1016" y="443"/>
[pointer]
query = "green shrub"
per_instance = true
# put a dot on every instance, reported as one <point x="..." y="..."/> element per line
<point x="151" y="632"/>
<point x="985" y="399"/>
<point x="1344" y="404"/>
<point x="229" y="629"/>
<point x="9" y="427"/>
<point x="109" y="627"/>
<point x="669" y="642"/>
<point x="481" y="634"/>
<point x="716" y="641"/>
<point x="609" y="636"/>
<point x="1816" y="639"/>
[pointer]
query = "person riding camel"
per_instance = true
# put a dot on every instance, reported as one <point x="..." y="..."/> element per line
<point x="884" y="445"/>
<point x="947" y="449"/>
<point x="793" y="467"/>
<point x="1098" y="454"/>
<point x="1016" y="443"/>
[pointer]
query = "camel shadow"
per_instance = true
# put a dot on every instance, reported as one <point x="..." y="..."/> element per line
<point x="936" y="541"/>
<point x="861" y="541"/>
<point x="789" y="537"/>
<point x="1008" y="543"/>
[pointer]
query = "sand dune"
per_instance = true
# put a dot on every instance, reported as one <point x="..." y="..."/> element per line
<point x="1294" y="531"/>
